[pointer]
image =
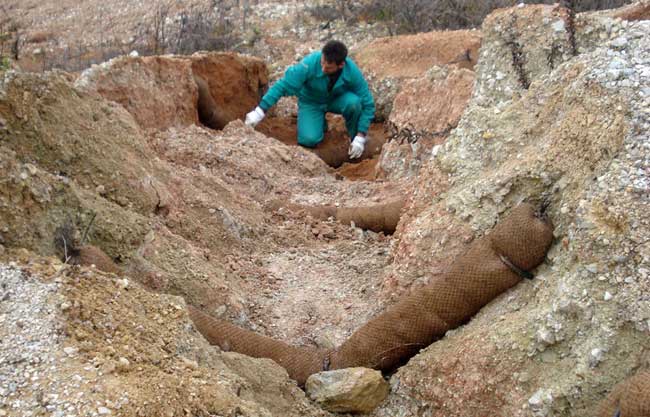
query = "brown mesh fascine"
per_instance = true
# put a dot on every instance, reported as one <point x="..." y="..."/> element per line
<point x="630" y="398"/>
<point x="378" y="217"/>
<point x="525" y="250"/>
<point x="92" y="255"/>
<point x="300" y="362"/>
<point x="418" y="319"/>
<point x="381" y="217"/>
<point x="473" y="280"/>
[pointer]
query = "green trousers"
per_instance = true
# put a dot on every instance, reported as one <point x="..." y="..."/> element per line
<point x="311" y="117"/>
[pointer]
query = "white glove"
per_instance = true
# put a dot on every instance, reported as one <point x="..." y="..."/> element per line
<point x="356" y="147"/>
<point x="254" y="117"/>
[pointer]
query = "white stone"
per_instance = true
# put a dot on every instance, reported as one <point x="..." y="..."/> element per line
<point x="545" y="336"/>
<point x="608" y="296"/>
<point x="70" y="350"/>
<point x="558" y="26"/>
<point x="595" y="357"/>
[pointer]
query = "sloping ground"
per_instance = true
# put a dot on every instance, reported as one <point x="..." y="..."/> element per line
<point x="189" y="211"/>
<point x="576" y="139"/>
<point x="421" y="84"/>
<point x="183" y="211"/>
<point x="387" y="62"/>
<point x="79" y="341"/>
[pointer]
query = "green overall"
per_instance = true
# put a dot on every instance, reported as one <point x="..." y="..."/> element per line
<point x="350" y="97"/>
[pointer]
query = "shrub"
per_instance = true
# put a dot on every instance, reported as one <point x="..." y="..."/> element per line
<point x="411" y="16"/>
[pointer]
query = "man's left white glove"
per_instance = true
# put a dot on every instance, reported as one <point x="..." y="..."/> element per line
<point x="254" y="117"/>
<point x="356" y="147"/>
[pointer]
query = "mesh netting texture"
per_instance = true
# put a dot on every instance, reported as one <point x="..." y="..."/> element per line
<point x="493" y="264"/>
<point x="630" y="398"/>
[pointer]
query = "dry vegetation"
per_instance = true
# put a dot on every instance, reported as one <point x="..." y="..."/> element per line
<point x="41" y="36"/>
<point x="412" y="16"/>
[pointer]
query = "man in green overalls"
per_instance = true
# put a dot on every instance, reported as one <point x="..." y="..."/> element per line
<point x="324" y="81"/>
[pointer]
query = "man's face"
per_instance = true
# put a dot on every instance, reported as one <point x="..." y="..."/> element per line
<point x="330" y="67"/>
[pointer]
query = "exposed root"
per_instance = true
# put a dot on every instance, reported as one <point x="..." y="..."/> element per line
<point x="75" y="252"/>
<point x="517" y="53"/>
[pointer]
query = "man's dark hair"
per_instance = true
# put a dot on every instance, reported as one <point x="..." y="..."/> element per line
<point x="335" y="51"/>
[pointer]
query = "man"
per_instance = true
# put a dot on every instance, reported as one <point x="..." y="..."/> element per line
<point x="324" y="81"/>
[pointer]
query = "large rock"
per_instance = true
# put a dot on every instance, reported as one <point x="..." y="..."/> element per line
<point x="350" y="390"/>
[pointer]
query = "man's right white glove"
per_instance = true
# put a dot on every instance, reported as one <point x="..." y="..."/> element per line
<point x="254" y="117"/>
<point x="356" y="147"/>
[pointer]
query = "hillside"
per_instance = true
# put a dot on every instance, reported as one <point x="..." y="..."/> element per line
<point x="120" y="207"/>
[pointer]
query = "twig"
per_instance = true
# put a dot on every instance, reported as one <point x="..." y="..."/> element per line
<point x="83" y="239"/>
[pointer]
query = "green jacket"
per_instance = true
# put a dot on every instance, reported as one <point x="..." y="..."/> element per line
<point x="308" y="81"/>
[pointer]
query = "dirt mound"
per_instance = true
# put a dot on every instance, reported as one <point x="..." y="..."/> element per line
<point x="411" y="56"/>
<point x="236" y="82"/>
<point x="161" y="92"/>
<point x="571" y="139"/>
<point x="424" y="112"/>
<point x="158" y="91"/>
<point x="112" y="336"/>
<point x="388" y="62"/>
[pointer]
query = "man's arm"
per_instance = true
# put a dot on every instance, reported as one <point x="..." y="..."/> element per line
<point x="360" y="88"/>
<point x="289" y="85"/>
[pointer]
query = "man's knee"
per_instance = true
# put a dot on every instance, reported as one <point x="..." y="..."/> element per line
<point x="352" y="105"/>
<point x="309" y="141"/>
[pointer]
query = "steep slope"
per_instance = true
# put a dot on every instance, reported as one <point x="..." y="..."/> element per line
<point x="575" y="139"/>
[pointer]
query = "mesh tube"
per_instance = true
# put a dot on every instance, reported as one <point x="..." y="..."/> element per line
<point x="418" y="319"/>
<point x="630" y="398"/>
<point x="300" y="362"/>
<point x="381" y="217"/>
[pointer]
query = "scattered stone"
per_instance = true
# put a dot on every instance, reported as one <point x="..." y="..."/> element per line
<point x="351" y="390"/>
<point x="595" y="357"/>
<point x="540" y="402"/>
<point x="70" y="350"/>
<point x="545" y="336"/>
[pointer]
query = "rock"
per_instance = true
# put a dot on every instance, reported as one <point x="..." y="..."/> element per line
<point x="70" y="350"/>
<point x="351" y="390"/>
<point x="595" y="357"/>
<point x="545" y="337"/>
<point x="540" y="401"/>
